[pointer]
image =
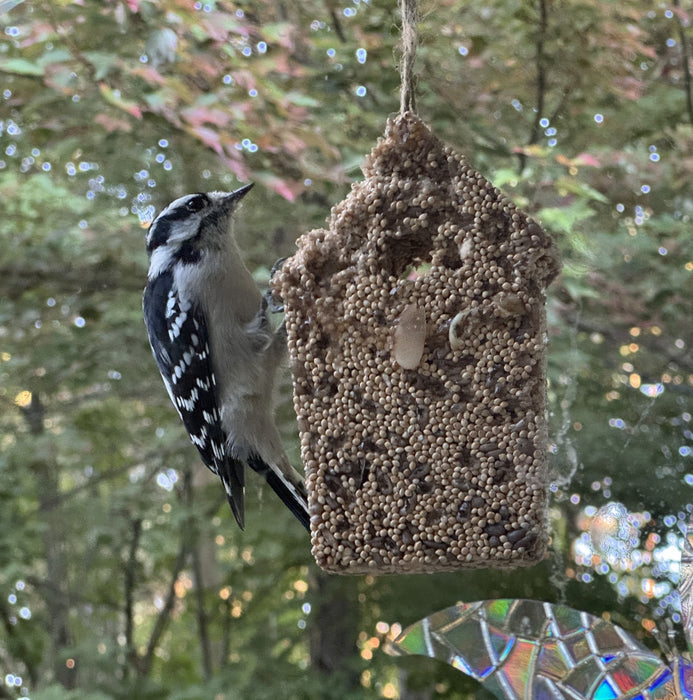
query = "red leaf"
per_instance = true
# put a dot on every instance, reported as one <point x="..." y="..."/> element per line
<point x="112" y="124"/>
<point x="587" y="159"/>
<point x="237" y="167"/>
<point x="284" y="188"/>
<point x="197" y="116"/>
<point x="114" y="97"/>
<point x="151" y="75"/>
<point x="210" y="138"/>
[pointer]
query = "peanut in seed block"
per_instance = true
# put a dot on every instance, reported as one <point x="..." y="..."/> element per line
<point x="417" y="335"/>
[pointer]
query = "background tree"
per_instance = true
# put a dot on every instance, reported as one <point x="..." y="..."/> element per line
<point x="121" y="571"/>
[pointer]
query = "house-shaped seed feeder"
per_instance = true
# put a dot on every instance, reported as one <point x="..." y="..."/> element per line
<point x="416" y="331"/>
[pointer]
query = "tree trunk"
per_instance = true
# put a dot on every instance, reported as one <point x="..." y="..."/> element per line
<point x="334" y="627"/>
<point x="56" y="593"/>
<point x="407" y="694"/>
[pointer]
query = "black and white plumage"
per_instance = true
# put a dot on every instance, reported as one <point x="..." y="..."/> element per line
<point x="212" y="341"/>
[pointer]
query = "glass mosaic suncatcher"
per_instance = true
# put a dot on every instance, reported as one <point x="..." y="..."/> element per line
<point x="521" y="649"/>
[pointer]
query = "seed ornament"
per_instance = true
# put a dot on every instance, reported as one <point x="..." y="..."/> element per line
<point x="417" y="336"/>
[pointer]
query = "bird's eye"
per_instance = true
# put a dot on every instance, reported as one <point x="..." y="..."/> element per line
<point x="197" y="203"/>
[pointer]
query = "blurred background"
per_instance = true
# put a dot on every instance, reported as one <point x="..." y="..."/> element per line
<point x="122" y="573"/>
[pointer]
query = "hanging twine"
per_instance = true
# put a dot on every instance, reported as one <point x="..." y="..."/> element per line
<point x="410" y="39"/>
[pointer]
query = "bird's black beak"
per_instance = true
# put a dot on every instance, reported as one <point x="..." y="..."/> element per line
<point x="231" y="200"/>
<point x="226" y="203"/>
<point x="242" y="191"/>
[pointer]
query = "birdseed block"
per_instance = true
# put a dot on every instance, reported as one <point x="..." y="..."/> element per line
<point x="416" y="330"/>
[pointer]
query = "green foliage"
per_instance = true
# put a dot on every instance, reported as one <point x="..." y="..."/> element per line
<point x="58" y="692"/>
<point x="121" y="572"/>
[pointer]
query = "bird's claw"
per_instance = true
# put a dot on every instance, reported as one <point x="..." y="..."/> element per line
<point x="277" y="266"/>
<point x="270" y="304"/>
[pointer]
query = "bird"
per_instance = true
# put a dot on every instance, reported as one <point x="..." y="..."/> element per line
<point x="210" y="334"/>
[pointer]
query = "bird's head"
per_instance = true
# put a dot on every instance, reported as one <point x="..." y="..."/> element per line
<point x="189" y="226"/>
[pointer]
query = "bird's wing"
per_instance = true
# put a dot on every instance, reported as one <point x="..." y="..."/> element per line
<point x="182" y="353"/>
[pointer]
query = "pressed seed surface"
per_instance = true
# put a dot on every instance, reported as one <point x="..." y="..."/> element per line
<point x="416" y="329"/>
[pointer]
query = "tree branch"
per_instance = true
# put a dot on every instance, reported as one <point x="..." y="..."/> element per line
<point x="57" y="499"/>
<point x="198" y="582"/>
<point x="67" y="38"/>
<point x="336" y="22"/>
<point x="91" y="279"/>
<point x="46" y="587"/>
<point x="685" y="64"/>
<point x="541" y="82"/>
<point x="129" y="583"/>
<point x="617" y="335"/>
<point x="144" y="664"/>
<point x="226" y="633"/>
<point x="202" y="627"/>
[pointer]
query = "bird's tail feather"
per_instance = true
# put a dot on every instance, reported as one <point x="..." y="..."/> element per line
<point x="288" y="486"/>
<point x="233" y="477"/>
